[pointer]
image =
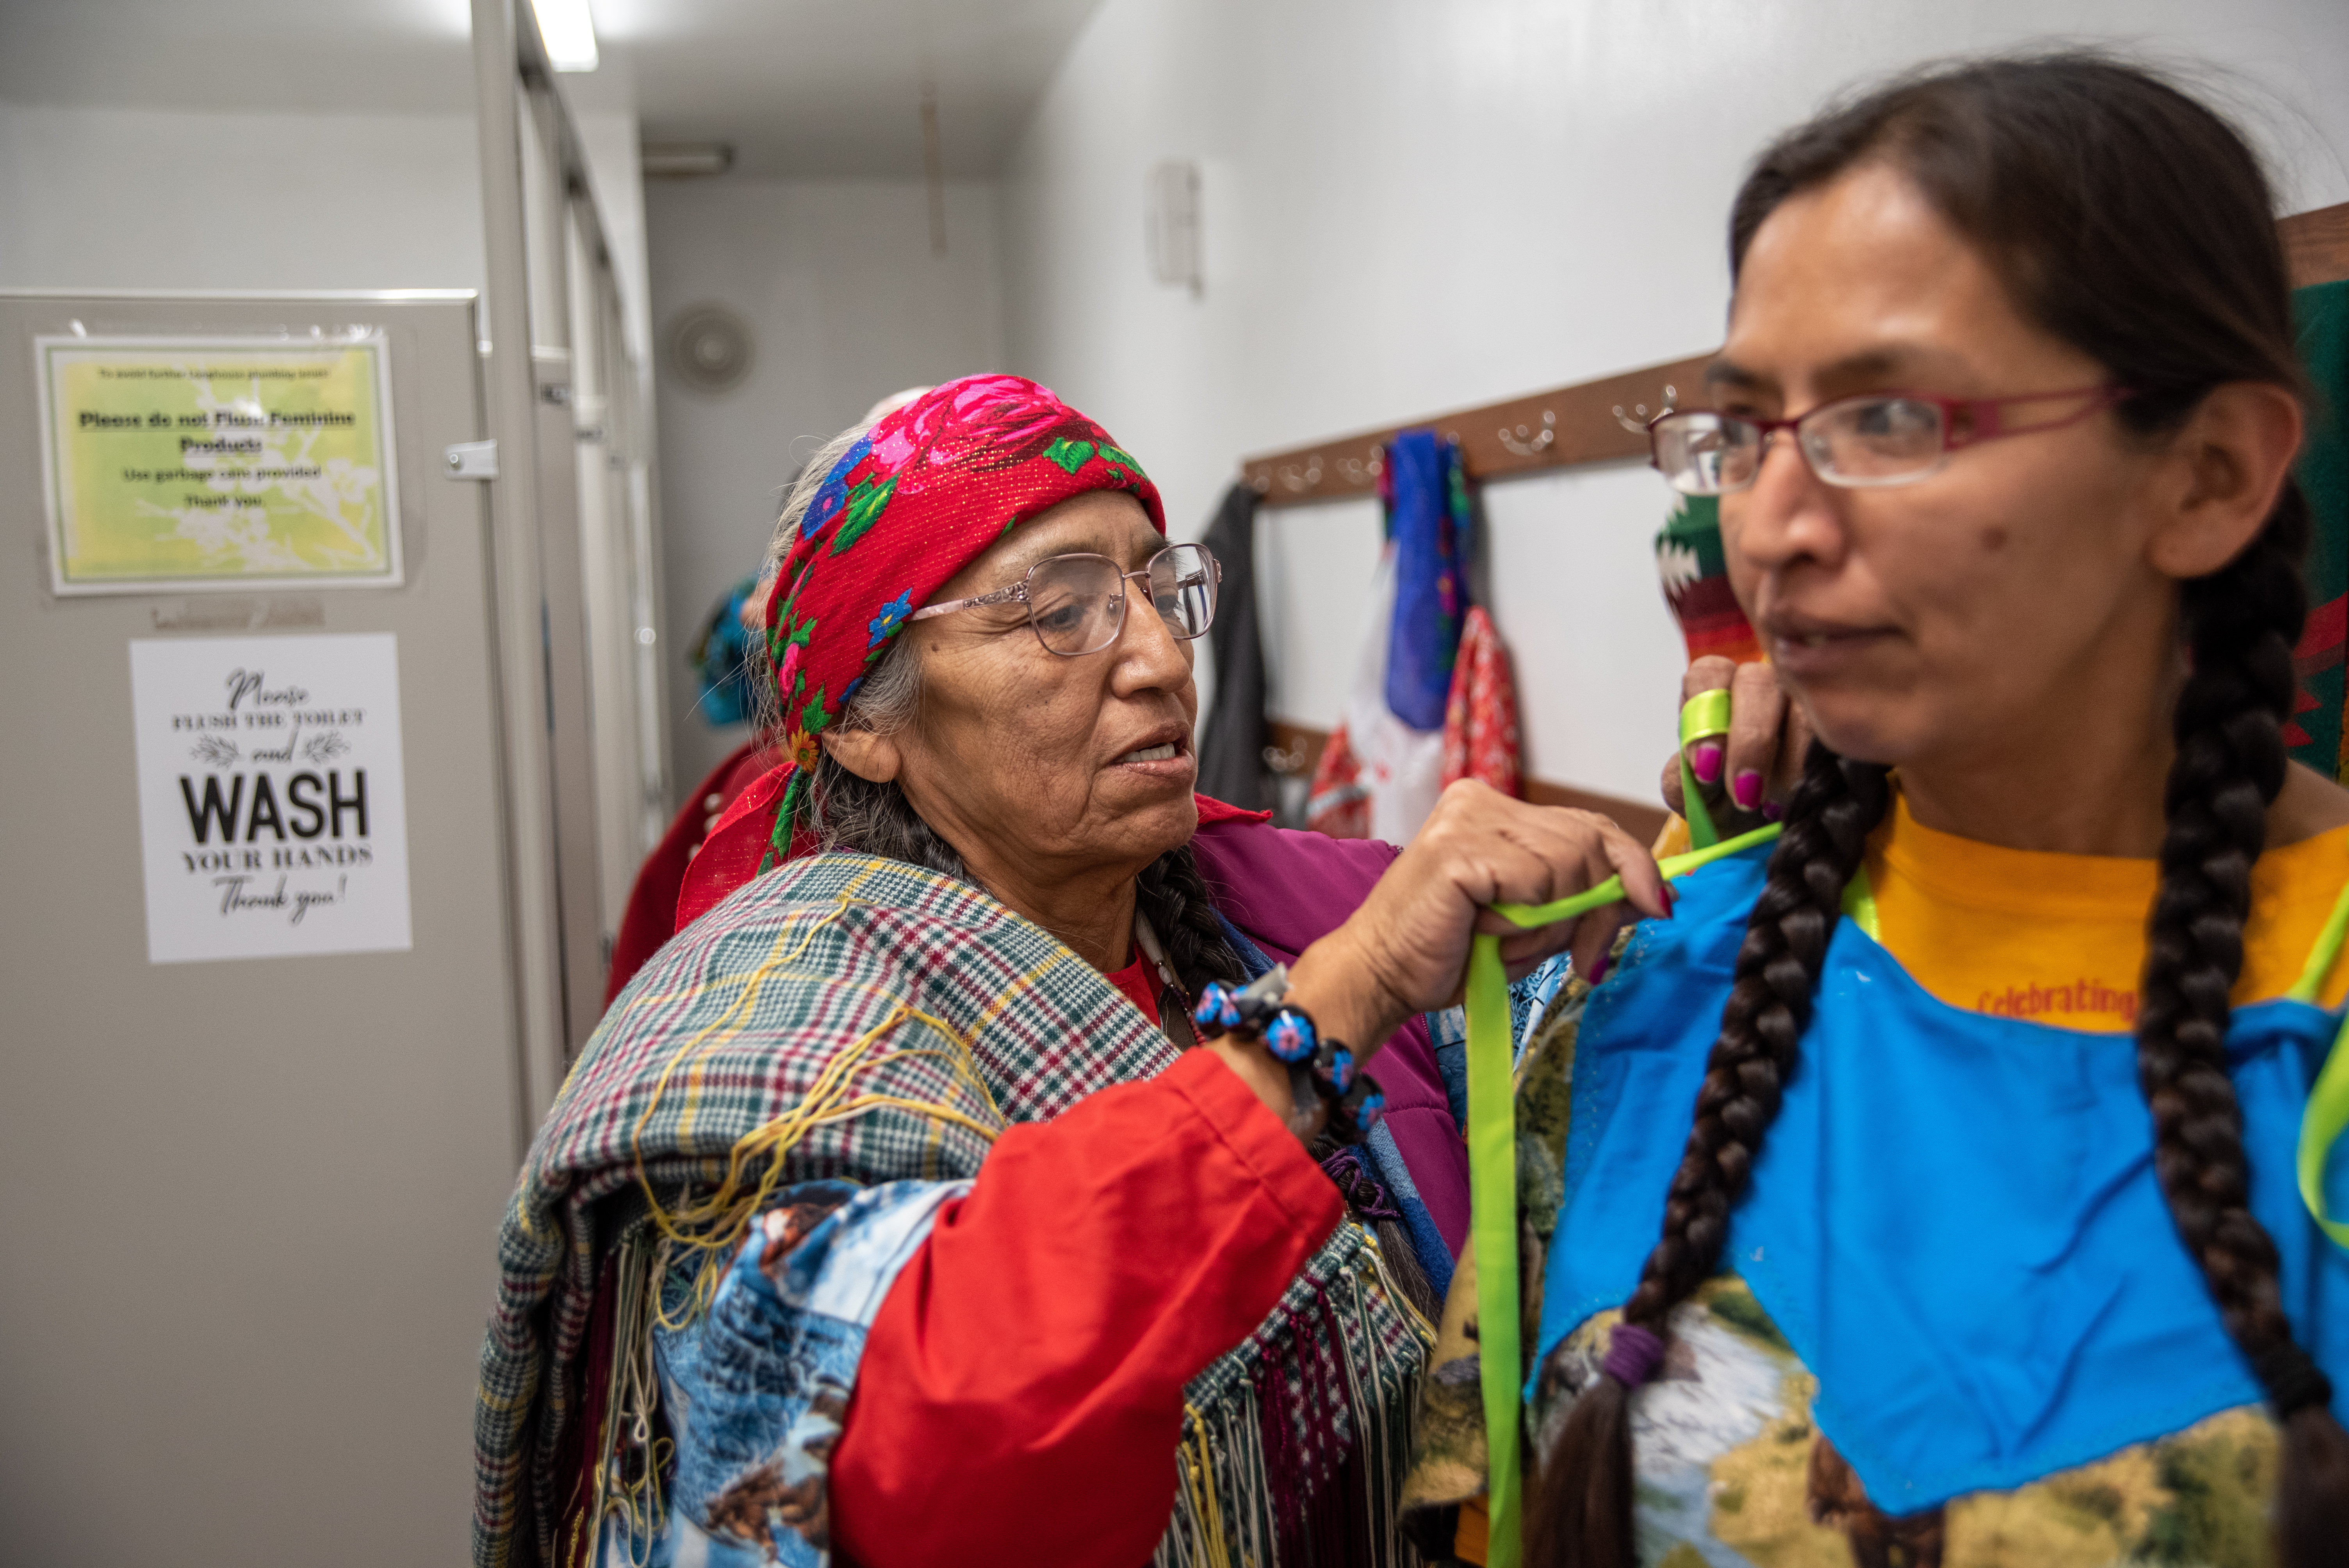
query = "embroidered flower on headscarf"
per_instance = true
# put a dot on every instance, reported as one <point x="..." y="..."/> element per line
<point x="893" y="615"/>
<point x="788" y="671"/>
<point x="833" y="497"/>
<point x="868" y="493"/>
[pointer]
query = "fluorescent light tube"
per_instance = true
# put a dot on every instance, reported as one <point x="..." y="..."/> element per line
<point x="568" y="32"/>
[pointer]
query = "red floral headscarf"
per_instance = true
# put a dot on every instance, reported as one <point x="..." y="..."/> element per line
<point x="920" y="496"/>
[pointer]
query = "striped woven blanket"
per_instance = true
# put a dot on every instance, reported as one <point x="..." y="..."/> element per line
<point x="859" y="1019"/>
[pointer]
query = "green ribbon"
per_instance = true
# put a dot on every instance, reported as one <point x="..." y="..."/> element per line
<point x="1492" y="1230"/>
<point x="2319" y="1125"/>
<point x="1702" y="716"/>
<point x="2326" y="1114"/>
<point x="1493" y="1182"/>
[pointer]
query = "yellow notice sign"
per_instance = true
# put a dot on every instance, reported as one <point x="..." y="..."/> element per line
<point x="185" y="463"/>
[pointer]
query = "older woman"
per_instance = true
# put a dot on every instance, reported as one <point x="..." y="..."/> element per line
<point x="886" y="1210"/>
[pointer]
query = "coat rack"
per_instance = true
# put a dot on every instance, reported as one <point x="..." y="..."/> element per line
<point x="1594" y="421"/>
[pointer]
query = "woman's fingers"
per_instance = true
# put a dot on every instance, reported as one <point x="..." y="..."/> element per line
<point x="1573" y="851"/>
<point x="1707" y="755"/>
<point x="1757" y="711"/>
<point x="1745" y="774"/>
<point x="1408" y="941"/>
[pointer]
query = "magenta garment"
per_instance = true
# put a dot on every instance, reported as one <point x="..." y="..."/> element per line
<point x="1286" y="890"/>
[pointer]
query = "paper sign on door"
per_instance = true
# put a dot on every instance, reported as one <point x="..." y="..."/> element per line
<point x="270" y="799"/>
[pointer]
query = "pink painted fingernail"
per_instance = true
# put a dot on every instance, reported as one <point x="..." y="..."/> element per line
<point x="1598" y="970"/>
<point x="1705" y="761"/>
<point x="1772" y="810"/>
<point x="1746" y="789"/>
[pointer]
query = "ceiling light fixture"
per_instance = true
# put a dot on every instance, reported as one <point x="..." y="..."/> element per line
<point x="568" y="32"/>
<point x="684" y="160"/>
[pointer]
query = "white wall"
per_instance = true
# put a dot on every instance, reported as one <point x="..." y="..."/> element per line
<point x="846" y="304"/>
<point x="610" y="143"/>
<point x="119" y="198"/>
<point x="1412" y="207"/>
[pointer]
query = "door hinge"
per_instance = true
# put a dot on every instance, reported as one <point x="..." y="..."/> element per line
<point x="472" y="461"/>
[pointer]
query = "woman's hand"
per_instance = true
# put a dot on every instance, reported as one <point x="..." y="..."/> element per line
<point x="1406" y="949"/>
<point x="1746" y="775"/>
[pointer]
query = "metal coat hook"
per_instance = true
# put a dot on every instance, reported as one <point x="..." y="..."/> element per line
<point x="1541" y="441"/>
<point x="1287" y="763"/>
<point x="1293" y="481"/>
<point x="1638" y="420"/>
<point x="1362" y="471"/>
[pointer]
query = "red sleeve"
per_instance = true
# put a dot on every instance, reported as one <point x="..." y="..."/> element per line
<point x="1021" y="1395"/>
<point x="649" y="917"/>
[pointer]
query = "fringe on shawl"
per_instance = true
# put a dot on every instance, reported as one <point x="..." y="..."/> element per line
<point x="1295" y="1444"/>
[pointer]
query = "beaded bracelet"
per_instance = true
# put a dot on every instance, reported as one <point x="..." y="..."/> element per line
<point x="1325" y="1067"/>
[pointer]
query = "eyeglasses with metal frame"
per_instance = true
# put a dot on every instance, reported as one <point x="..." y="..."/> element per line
<point x="1076" y="603"/>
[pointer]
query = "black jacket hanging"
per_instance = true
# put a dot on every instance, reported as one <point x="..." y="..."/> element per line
<point x="1232" y="736"/>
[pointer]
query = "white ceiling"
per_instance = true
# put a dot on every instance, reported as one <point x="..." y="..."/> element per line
<point x="834" y="86"/>
<point x="801" y="87"/>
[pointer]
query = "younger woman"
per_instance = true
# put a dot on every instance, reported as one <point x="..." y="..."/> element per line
<point x="1985" y="1245"/>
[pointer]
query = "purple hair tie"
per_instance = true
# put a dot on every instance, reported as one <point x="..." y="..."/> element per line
<point x="1359" y="1187"/>
<point x="1633" y="1354"/>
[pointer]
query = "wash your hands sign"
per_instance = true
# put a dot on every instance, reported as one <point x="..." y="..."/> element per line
<point x="272" y="813"/>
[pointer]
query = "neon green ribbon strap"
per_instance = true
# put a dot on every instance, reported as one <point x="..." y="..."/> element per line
<point x="1530" y="915"/>
<point x="1493" y="1184"/>
<point x="1492" y="1230"/>
<point x="2326" y="1116"/>
<point x="1702" y="716"/>
<point x="2321" y="1124"/>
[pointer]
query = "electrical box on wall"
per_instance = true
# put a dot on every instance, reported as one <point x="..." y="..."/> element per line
<point x="1173" y="224"/>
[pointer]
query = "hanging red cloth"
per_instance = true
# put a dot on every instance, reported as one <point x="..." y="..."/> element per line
<point x="1480" y="718"/>
<point x="1338" y="803"/>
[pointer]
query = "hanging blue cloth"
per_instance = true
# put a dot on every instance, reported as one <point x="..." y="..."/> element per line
<point x="1954" y="1219"/>
<point x="1422" y="482"/>
<point x="723" y="660"/>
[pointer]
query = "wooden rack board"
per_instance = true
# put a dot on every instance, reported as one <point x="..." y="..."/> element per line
<point x="2316" y="245"/>
<point x="1525" y="435"/>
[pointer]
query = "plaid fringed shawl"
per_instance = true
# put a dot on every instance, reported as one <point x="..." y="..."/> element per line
<point x="865" y="1019"/>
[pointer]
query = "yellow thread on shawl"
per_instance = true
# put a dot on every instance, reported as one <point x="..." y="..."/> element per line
<point x="745" y="1002"/>
<point x="631" y="1395"/>
<point x="865" y="1102"/>
<point x="1202" y="1471"/>
<point x="714" y="1224"/>
<point x="491" y="1402"/>
<point x="660" y="1086"/>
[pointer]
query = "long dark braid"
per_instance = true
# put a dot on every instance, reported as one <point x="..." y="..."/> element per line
<point x="2242" y="623"/>
<point x="1582" y="1506"/>
<point x="2133" y="223"/>
<point x="1175" y="898"/>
